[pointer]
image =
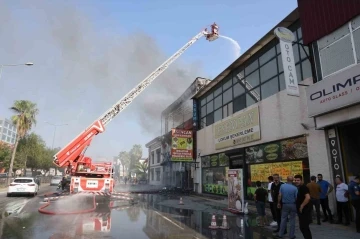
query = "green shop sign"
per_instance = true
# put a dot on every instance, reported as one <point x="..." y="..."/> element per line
<point x="215" y="189"/>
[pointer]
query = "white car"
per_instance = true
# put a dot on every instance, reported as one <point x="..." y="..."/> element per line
<point x="22" y="186"/>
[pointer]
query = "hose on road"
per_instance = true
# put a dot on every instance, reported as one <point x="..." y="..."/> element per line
<point x="43" y="211"/>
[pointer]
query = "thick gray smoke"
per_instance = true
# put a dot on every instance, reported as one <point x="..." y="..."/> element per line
<point x="89" y="63"/>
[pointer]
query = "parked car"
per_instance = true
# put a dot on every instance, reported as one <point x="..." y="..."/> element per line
<point x="55" y="180"/>
<point x="23" y="185"/>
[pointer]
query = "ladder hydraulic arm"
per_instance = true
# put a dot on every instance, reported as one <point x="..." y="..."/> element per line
<point x="74" y="151"/>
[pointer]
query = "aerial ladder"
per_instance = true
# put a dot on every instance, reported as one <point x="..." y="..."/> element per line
<point x="98" y="177"/>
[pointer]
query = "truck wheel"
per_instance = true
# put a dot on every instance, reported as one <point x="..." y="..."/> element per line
<point x="8" y="195"/>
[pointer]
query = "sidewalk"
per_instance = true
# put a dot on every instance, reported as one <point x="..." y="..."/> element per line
<point x="323" y="231"/>
<point x="3" y="189"/>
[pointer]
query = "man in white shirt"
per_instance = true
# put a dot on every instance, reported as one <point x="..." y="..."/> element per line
<point x="271" y="202"/>
<point x="342" y="201"/>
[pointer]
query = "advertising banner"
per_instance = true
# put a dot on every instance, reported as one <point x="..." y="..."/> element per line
<point x="181" y="145"/>
<point x="235" y="190"/>
<point x="335" y="92"/>
<point x="241" y="128"/>
<point x="261" y="172"/>
<point x="286" y="38"/>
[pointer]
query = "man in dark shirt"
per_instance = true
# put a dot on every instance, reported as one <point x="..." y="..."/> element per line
<point x="303" y="206"/>
<point x="354" y="191"/>
<point x="260" y="199"/>
<point x="275" y="189"/>
<point x="326" y="189"/>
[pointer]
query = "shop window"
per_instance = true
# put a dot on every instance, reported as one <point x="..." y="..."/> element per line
<point x="238" y="89"/>
<point x="214" y="174"/>
<point x="218" y="115"/>
<point x="203" y="111"/>
<point x="210" y="107"/>
<point x="268" y="70"/>
<point x="209" y="97"/>
<point x="267" y="56"/>
<point x="158" y="176"/>
<point x="285" y="157"/>
<point x="250" y="68"/>
<point x="227" y="84"/>
<point x="218" y="101"/>
<point x="282" y="82"/>
<point x="227" y="96"/>
<point x="306" y="69"/>
<point x="210" y="119"/>
<point x="158" y="156"/>
<point x="269" y="88"/>
<point x="240" y="103"/>
<point x="253" y="79"/>
<point x="217" y="91"/>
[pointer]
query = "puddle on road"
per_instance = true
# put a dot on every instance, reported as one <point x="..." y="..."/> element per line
<point x="153" y="216"/>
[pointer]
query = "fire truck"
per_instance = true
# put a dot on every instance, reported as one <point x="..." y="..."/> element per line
<point x="97" y="178"/>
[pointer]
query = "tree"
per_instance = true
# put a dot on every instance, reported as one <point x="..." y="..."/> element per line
<point x="5" y="155"/>
<point x="125" y="160"/>
<point x="24" y="118"/>
<point x="135" y="155"/>
<point x="142" y="169"/>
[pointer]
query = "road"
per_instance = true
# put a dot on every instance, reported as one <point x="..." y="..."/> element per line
<point x="152" y="216"/>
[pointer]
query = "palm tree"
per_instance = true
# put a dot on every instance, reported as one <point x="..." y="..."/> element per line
<point x="24" y="118"/>
<point x="125" y="160"/>
<point x="142" y="169"/>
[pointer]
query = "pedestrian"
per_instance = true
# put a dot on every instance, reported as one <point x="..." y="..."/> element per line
<point x="271" y="202"/>
<point x="342" y="201"/>
<point x="303" y="206"/>
<point x="287" y="197"/>
<point x="260" y="200"/>
<point x="315" y="191"/>
<point x="326" y="189"/>
<point x="354" y="191"/>
<point x="275" y="189"/>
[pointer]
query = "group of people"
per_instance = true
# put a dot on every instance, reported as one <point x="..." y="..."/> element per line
<point x="295" y="198"/>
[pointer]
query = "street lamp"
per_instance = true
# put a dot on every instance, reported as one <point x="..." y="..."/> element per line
<point x="23" y="64"/>
<point x="55" y="126"/>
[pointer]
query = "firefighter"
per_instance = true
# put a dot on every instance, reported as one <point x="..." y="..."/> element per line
<point x="63" y="183"/>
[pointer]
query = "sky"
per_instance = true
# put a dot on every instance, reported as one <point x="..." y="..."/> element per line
<point x="88" y="54"/>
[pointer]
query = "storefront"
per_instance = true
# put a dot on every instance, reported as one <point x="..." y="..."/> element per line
<point x="215" y="174"/>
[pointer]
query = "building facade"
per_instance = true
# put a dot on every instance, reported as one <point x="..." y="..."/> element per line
<point x="8" y="131"/>
<point x="334" y="99"/>
<point x="248" y="120"/>
<point x="155" y="172"/>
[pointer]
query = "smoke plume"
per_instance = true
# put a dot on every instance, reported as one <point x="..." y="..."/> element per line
<point x="89" y="63"/>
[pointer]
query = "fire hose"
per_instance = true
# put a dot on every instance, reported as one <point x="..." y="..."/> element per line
<point x="43" y="211"/>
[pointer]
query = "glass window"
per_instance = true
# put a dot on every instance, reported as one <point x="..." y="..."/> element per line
<point x="8" y="139"/>
<point x="227" y="96"/>
<point x="13" y="141"/>
<point x="306" y="68"/>
<point x="253" y="79"/>
<point x="252" y="97"/>
<point x="278" y="50"/>
<point x="203" y="102"/>
<point x="299" y="32"/>
<point x="238" y="77"/>
<point x="296" y="53"/>
<point x="210" y="97"/>
<point x="210" y="119"/>
<point x="302" y="52"/>
<point x="267" y="56"/>
<point x="210" y="107"/>
<point x="298" y="73"/>
<point x="217" y="91"/>
<point x="282" y="82"/>
<point x="203" y="122"/>
<point x="230" y="108"/>
<point x="3" y="137"/>
<point x="4" y="130"/>
<point x="225" y="111"/>
<point x="238" y="89"/>
<point x="1" y="122"/>
<point x="203" y="111"/>
<point x="239" y="103"/>
<point x="280" y="63"/>
<point x="218" y="101"/>
<point x="250" y="68"/>
<point x="269" y="88"/>
<point x="6" y="124"/>
<point x="268" y="70"/>
<point x="218" y="115"/>
<point x="227" y="84"/>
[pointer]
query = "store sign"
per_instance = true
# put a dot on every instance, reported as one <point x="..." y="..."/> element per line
<point x="334" y="92"/>
<point x="182" y="145"/>
<point x="195" y="118"/>
<point x="235" y="190"/>
<point x="241" y="128"/>
<point x="335" y="154"/>
<point x="286" y="38"/>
